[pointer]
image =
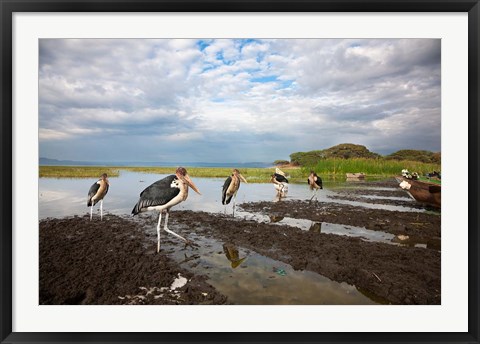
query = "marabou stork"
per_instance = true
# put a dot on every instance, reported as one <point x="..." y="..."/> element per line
<point x="230" y="188"/>
<point x="96" y="193"/>
<point x="315" y="183"/>
<point x="164" y="194"/>
<point x="280" y="182"/>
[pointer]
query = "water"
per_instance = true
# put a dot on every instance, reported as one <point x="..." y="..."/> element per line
<point x="67" y="197"/>
<point x="259" y="280"/>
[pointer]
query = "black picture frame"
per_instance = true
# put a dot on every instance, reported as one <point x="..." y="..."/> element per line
<point x="9" y="7"/>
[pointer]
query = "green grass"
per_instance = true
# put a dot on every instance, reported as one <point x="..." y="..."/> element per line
<point x="257" y="175"/>
<point x="327" y="169"/>
<point x="77" y="171"/>
<point x="371" y="167"/>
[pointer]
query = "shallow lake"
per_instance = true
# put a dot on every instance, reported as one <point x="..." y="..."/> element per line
<point x="59" y="197"/>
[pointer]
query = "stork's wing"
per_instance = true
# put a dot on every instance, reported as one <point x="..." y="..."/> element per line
<point x="158" y="193"/>
<point x="225" y="188"/>
<point x="92" y="192"/>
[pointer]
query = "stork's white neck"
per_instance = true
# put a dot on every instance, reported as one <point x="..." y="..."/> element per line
<point x="182" y="185"/>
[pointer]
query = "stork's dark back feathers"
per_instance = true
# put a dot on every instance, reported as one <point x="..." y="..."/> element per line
<point x="318" y="181"/>
<point x="158" y="193"/>
<point x="280" y="178"/>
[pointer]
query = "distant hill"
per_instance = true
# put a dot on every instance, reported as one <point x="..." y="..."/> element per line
<point x="416" y="155"/>
<point x="351" y="151"/>
<point x="341" y="151"/>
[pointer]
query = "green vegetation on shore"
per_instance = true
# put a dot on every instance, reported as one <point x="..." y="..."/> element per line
<point x="77" y="171"/>
<point x="257" y="175"/>
<point x="371" y="167"/>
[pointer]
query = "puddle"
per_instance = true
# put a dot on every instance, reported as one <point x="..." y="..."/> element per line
<point x="393" y="198"/>
<point x="248" y="278"/>
<point x="323" y="227"/>
<point x="379" y="206"/>
<point x="335" y="228"/>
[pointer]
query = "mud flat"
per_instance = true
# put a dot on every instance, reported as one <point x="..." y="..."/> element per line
<point x="114" y="261"/>
<point x="108" y="262"/>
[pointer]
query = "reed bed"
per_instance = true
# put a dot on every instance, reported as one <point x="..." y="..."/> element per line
<point x="77" y="171"/>
<point x="371" y="167"/>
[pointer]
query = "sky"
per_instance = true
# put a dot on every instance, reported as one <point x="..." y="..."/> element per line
<point x="235" y="100"/>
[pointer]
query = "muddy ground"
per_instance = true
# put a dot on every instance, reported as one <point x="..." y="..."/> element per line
<point x="114" y="261"/>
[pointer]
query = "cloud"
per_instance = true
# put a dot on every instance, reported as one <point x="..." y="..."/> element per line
<point x="50" y="134"/>
<point x="235" y="99"/>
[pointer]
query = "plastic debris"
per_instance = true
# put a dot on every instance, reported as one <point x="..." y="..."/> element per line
<point x="280" y="271"/>
<point x="402" y="237"/>
<point x="178" y="282"/>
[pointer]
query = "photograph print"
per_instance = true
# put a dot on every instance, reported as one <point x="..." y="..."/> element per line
<point x="239" y="171"/>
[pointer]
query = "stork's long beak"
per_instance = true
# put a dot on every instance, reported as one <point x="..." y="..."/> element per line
<point x="191" y="184"/>
<point x="242" y="178"/>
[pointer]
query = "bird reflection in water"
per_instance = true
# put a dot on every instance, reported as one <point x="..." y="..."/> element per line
<point x="231" y="252"/>
<point x="275" y="218"/>
<point x="316" y="227"/>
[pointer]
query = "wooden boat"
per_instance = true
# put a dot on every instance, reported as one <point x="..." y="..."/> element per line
<point x="423" y="192"/>
<point x="355" y="175"/>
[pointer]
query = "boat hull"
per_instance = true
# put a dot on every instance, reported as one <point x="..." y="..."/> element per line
<point x="423" y="192"/>
<point x="355" y="176"/>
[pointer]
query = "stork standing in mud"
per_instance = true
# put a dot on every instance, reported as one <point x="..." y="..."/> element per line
<point x="280" y="182"/>
<point x="164" y="194"/>
<point x="96" y="193"/>
<point x="230" y="188"/>
<point x="315" y="183"/>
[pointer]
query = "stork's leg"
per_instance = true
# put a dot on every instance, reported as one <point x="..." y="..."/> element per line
<point x="234" y="198"/>
<point x="101" y="209"/>
<point x="171" y="232"/>
<point x="158" y="231"/>
<point x="314" y="194"/>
